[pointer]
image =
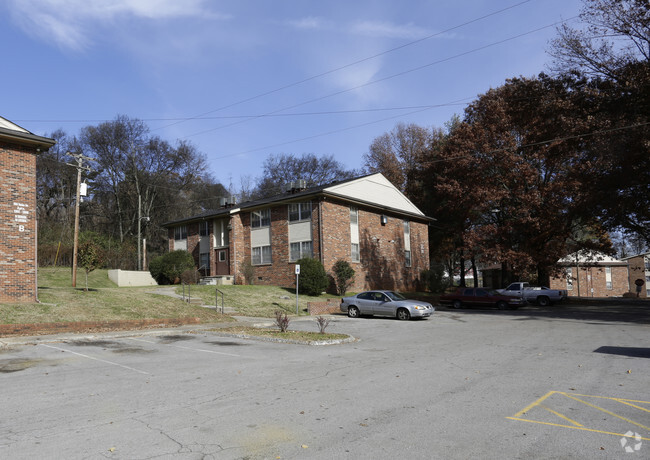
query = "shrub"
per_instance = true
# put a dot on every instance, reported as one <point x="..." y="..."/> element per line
<point x="434" y="279"/>
<point x="248" y="271"/>
<point x="313" y="279"/>
<point x="168" y="268"/>
<point x="190" y="276"/>
<point x="322" y="323"/>
<point x="343" y="276"/>
<point x="282" y="321"/>
<point x="90" y="256"/>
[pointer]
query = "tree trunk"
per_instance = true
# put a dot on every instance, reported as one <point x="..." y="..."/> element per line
<point x="474" y="271"/>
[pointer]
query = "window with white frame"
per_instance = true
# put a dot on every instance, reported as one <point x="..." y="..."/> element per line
<point x="300" y="250"/>
<point x="261" y="255"/>
<point x="299" y="211"/>
<point x="355" y="256"/>
<point x="354" y="252"/>
<point x="407" y="243"/>
<point x="204" y="261"/>
<point x="261" y="218"/>
<point x="204" y="229"/>
<point x="180" y="232"/>
<point x="569" y="279"/>
<point x="608" y="278"/>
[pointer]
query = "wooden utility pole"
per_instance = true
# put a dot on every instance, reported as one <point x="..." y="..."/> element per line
<point x="80" y="166"/>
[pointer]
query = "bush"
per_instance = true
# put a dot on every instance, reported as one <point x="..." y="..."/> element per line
<point x="343" y="276"/>
<point x="434" y="279"/>
<point x="282" y="321"/>
<point x="313" y="279"/>
<point x="168" y="268"/>
<point x="248" y="271"/>
<point x="322" y="323"/>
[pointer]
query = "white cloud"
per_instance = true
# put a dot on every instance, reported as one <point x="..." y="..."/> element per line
<point x="71" y="23"/>
<point x="387" y="30"/>
<point x="310" y="23"/>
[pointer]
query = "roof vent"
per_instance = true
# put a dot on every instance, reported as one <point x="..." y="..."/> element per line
<point x="297" y="186"/>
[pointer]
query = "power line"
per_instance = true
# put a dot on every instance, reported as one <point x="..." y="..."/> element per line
<point x="328" y="72"/>
<point x="389" y="77"/>
<point x="294" y="114"/>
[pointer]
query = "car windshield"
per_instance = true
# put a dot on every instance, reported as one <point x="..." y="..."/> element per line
<point x="394" y="295"/>
<point x="492" y="292"/>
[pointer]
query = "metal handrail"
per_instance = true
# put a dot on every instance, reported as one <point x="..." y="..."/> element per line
<point x="189" y="293"/>
<point x="216" y="300"/>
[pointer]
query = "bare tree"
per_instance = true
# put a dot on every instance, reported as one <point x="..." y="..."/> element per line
<point x="280" y="170"/>
<point x="616" y="34"/>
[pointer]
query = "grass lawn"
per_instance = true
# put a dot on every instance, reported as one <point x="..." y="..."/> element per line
<point x="262" y="301"/>
<point x="104" y="301"/>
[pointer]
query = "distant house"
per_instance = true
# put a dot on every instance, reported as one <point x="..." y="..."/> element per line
<point x="18" y="264"/>
<point x="366" y="221"/>
<point x="592" y="274"/>
<point x="639" y="270"/>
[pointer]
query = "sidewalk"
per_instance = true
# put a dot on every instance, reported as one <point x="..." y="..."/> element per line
<point x="248" y="321"/>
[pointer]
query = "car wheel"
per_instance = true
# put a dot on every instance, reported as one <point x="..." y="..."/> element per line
<point x="502" y="305"/>
<point x="543" y="301"/>
<point x="353" y="312"/>
<point x="457" y="304"/>
<point x="403" y="314"/>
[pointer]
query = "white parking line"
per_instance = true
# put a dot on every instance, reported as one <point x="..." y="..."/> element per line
<point x="96" y="359"/>
<point x="185" y="348"/>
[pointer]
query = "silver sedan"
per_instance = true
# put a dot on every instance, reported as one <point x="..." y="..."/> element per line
<point x="385" y="303"/>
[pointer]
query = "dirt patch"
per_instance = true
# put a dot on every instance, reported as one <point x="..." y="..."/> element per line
<point x="96" y="343"/>
<point x="132" y="350"/>
<point x="174" y="338"/>
<point x="8" y="366"/>
<point x="226" y="344"/>
<point x="115" y="347"/>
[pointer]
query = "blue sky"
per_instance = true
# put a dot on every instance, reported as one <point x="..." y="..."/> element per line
<point x="243" y="79"/>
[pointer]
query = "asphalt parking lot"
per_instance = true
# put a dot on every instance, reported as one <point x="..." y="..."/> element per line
<point x="560" y="382"/>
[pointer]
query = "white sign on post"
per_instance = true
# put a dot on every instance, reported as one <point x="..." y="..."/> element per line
<point x="297" y="277"/>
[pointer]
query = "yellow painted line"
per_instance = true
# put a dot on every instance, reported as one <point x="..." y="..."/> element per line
<point x="530" y="406"/>
<point x="605" y="410"/>
<point x="572" y="427"/>
<point x="607" y="397"/>
<point x="624" y="401"/>
<point x="560" y="415"/>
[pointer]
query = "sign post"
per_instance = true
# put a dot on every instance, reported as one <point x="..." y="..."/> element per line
<point x="297" y="279"/>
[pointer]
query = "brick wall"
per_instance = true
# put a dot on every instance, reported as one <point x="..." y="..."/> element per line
<point x="382" y="265"/>
<point x="239" y="241"/>
<point x="327" y="307"/>
<point x="17" y="224"/>
<point x="591" y="282"/>
<point x="638" y="271"/>
<point x="382" y="262"/>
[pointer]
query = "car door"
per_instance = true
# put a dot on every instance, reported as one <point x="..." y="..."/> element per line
<point x="468" y="297"/>
<point x="366" y="302"/>
<point x="483" y="297"/>
<point x="383" y="305"/>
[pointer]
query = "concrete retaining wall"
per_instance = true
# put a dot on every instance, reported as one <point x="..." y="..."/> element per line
<point x="131" y="278"/>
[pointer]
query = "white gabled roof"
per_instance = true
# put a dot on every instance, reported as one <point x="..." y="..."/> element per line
<point x="589" y="257"/>
<point x="375" y="189"/>
<point x="6" y="124"/>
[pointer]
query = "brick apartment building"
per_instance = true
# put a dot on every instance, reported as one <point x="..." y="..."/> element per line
<point x="639" y="268"/>
<point x="18" y="264"/>
<point x="365" y="221"/>
<point x="592" y="274"/>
